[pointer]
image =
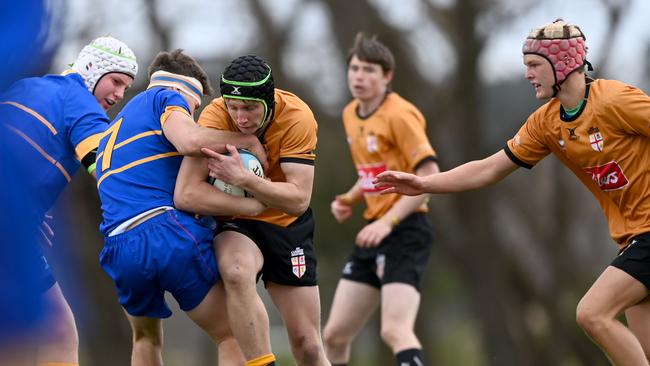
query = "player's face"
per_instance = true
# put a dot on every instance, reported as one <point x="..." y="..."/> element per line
<point x="247" y="114"/>
<point x="366" y="80"/>
<point x="540" y="74"/>
<point x="110" y="89"/>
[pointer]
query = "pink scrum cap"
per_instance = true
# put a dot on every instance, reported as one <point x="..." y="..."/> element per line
<point x="562" y="44"/>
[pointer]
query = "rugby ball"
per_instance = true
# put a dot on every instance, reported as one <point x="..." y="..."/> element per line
<point x="249" y="162"/>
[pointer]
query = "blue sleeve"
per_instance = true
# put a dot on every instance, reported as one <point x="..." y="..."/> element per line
<point x="169" y="98"/>
<point x="84" y="119"/>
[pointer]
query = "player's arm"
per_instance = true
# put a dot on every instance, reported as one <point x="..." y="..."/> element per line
<point x="341" y="206"/>
<point x="193" y="193"/>
<point x="372" y="234"/>
<point x="188" y="137"/>
<point x="472" y="175"/>
<point x="292" y="197"/>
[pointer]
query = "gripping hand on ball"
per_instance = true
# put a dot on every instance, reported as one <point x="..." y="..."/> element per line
<point x="227" y="167"/>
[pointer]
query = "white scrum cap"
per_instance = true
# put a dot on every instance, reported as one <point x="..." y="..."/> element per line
<point x="102" y="56"/>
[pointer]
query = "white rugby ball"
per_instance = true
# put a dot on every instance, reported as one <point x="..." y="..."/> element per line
<point x="249" y="162"/>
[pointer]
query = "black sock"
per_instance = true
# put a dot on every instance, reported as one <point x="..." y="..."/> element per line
<point x="410" y="357"/>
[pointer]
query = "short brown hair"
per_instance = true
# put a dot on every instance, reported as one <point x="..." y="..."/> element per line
<point x="369" y="49"/>
<point x="180" y="63"/>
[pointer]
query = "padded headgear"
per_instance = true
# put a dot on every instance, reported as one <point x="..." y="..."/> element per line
<point x="102" y="56"/>
<point x="249" y="78"/>
<point x="562" y="44"/>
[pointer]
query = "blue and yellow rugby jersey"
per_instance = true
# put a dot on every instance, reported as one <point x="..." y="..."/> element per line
<point x="56" y="122"/>
<point x="136" y="165"/>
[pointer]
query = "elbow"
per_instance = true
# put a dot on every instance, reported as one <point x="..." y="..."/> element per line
<point x="299" y="207"/>
<point x="190" y="145"/>
<point x="182" y="200"/>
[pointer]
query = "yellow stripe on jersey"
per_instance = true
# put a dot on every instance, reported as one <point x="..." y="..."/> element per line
<point x="135" y="163"/>
<point x="35" y="114"/>
<point x="45" y="155"/>
<point x="131" y="139"/>
<point x="89" y="144"/>
<point x="168" y="112"/>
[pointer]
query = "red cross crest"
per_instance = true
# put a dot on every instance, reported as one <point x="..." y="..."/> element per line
<point x="298" y="264"/>
<point x="596" y="139"/>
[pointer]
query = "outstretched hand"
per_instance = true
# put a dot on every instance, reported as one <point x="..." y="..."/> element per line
<point x="399" y="182"/>
<point x="226" y="167"/>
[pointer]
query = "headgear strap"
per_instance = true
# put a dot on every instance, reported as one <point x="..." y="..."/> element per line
<point x="187" y="84"/>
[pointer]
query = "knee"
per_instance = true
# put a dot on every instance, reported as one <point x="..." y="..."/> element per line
<point x="391" y="333"/>
<point x="63" y="333"/>
<point x="589" y="319"/>
<point x="237" y="274"/>
<point x="307" y="349"/>
<point x="334" y="338"/>
<point x="148" y="336"/>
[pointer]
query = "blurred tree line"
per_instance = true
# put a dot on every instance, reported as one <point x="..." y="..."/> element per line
<point x="510" y="262"/>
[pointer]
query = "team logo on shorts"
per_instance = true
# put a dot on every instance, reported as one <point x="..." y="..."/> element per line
<point x="298" y="265"/>
<point x="380" y="261"/>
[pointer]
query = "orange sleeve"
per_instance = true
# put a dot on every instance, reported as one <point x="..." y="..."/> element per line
<point x="409" y="130"/>
<point x="300" y="139"/>
<point x="528" y="144"/>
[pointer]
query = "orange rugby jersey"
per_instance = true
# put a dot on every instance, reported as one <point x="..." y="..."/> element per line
<point x="392" y="138"/>
<point x="289" y="137"/>
<point x="606" y="145"/>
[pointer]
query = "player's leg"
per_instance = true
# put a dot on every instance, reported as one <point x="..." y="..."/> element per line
<point x="60" y="342"/>
<point x="299" y="307"/>
<point x="212" y="316"/>
<point x="147" y="340"/>
<point x="638" y="318"/>
<point x="612" y="293"/>
<point x="239" y="261"/>
<point x="353" y="304"/>
<point x="404" y="257"/>
<point x="399" y="309"/>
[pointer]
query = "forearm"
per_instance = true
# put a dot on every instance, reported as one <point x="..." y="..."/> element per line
<point x="403" y="208"/>
<point x="205" y="199"/>
<point x="215" y="140"/>
<point x="283" y="196"/>
<point x="354" y="195"/>
<point x="472" y="175"/>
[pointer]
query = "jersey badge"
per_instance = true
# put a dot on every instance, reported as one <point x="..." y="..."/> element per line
<point x="596" y="139"/>
<point x="372" y="144"/>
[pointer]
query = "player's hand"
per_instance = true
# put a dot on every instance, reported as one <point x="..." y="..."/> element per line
<point x="259" y="150"/>
<point x="372" y="234"/>
<point x="228" y="168"/>
<point x="399" y="182"/>
<point x="46" y="233"/>
<point x="340" y="210"/>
